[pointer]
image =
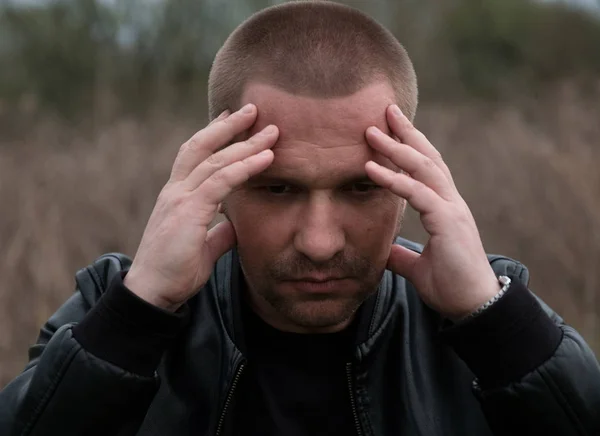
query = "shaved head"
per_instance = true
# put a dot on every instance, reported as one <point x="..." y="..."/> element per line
<point x="311" y="48"/>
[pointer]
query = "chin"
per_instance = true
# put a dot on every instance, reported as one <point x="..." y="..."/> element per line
<point x="322" y="315"/>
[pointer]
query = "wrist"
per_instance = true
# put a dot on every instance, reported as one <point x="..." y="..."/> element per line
<point x="505" y="282"/>
<point x="487" y="290"/>
<point x="128" y="332"/>
<point x="508" y="340"/>
<point x="142" y="289"/>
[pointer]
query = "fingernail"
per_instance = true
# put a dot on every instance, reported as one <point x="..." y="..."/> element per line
<point x="248" y="109"/>
<point x="374" y="130"/>
<point x="396" y="110"/>
<point x="269" y="130"/>
<point x="264" y="153"/>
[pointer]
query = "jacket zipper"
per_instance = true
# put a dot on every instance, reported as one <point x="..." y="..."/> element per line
<point x="359" y="431"/>
<point x="230" y="394"/>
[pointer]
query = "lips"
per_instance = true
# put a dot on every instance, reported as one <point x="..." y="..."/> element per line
<point x="320" y="285"/>
<point x="317" y="279"/>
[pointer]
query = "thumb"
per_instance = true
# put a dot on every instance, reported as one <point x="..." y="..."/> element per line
<point x="220" y="239"/>
<point x="402" y="261"/>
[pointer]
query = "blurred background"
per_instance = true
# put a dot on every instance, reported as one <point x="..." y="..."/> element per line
<point x="97" y="96"/>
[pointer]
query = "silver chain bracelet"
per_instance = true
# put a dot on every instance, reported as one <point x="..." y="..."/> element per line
<point x="505" y="281"/>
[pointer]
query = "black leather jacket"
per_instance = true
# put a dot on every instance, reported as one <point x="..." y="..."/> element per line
<point x="405" y="379"/>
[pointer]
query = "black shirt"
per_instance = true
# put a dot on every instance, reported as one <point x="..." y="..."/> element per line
<point x="294" y="384"/>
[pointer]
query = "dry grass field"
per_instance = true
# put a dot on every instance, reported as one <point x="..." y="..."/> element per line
<point x="69" y="192"/>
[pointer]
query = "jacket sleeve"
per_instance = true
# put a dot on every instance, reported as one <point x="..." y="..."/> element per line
<point x="91" y="371"/>
<point x="534" y="374"/>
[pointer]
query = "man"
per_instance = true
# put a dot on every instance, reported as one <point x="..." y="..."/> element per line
<point x="302" y="314"/>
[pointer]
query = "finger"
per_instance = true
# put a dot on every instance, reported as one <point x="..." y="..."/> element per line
<point x="218" y="186"/>
<point x="408" y="134"/>
<point x="219" y="240"/>
<point x="421" y="197"/>
<point x="402" y="261"/>
<point x="222" y="116"/>
<point x="208" y="140"/>
<point x="264" y="139"/>
<point x="419" y="166"/>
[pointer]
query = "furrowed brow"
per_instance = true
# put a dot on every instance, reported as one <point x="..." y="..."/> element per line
<point x="274" y="179"/>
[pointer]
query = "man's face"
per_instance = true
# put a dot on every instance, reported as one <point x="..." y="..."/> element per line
<point x="313" y="231"/>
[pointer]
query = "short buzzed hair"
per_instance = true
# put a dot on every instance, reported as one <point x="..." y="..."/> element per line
<point x="313" y="48"/>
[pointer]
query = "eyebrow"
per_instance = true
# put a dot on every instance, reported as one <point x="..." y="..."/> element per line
<point x="274" y="179"/>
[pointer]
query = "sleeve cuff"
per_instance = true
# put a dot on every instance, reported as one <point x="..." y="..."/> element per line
<point x="127" y="331"/>
<point x="507" y="341"/>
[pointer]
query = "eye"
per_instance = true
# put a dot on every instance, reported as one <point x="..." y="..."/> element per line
<point x="362" y="188"/>
<point x="278" y="189"/>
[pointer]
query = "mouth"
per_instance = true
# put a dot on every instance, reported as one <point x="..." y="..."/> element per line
<point x="320" y="284"/>
<point x="317" y="279"/>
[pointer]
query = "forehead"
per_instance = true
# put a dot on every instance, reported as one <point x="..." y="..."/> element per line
<point x="293" y="114"/>
<point x="320" y="139"/>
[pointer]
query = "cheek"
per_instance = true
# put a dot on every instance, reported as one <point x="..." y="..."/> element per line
<point x="372" y="228"/>
<point x="260" y="232"/>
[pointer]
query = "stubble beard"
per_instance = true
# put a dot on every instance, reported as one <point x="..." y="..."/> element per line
<point x="313" y="312"/>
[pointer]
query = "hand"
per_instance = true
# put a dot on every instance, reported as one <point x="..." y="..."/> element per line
<point x="177" y="252"/>
<point x="452" y="274"/>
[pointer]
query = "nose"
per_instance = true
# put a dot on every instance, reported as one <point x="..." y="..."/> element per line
<point x="320" y="235"/>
